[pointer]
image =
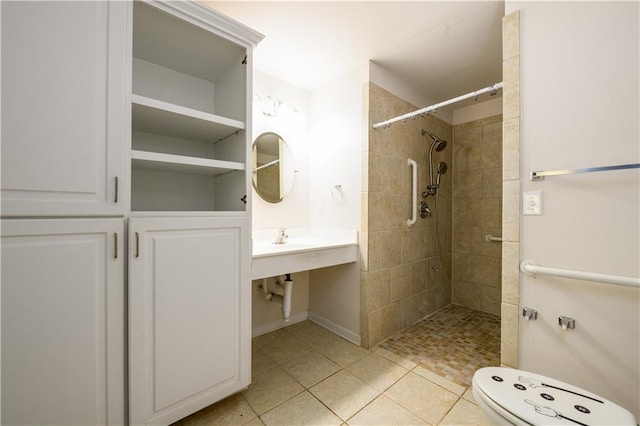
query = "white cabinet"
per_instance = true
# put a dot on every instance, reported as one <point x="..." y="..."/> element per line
<point x="63" y="108"/>
<point x="62" y="322"/>
<point x="189" y="226"/>
<point x="190" y="109"/>
<point x="189" y="314"/>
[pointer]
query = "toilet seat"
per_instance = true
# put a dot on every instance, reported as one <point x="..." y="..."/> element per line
<point x="523" y="398"/>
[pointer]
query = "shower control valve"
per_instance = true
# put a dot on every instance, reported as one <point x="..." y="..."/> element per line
<point x="424" y="210"/>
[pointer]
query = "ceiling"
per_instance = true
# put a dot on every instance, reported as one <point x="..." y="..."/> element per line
<point x="442" y="49"/>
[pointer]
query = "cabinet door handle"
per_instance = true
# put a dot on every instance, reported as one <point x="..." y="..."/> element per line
<point x="115" y="245"/>
<point x="115" y="200"/>
<point x="137" y="245"/>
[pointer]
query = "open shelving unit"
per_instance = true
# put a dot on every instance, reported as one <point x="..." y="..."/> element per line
<point x="188" y="117"/>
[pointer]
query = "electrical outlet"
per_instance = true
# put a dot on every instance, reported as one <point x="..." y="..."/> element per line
<point x="532" y="203"/>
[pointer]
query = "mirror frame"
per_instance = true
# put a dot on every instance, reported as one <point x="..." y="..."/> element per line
<point x="276" y="152"/>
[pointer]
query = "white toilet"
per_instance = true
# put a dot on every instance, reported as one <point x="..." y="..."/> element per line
<point x="514" y="397"/>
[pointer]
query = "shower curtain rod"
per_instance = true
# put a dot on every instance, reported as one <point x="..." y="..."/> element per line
<point x="387" y="123"/>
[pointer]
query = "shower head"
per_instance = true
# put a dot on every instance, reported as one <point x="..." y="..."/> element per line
<point x="440" y="170"/>
<point x="438" y="144"/>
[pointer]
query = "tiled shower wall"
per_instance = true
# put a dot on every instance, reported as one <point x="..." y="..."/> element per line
<point x="398" y="282"/>
<point x="477" y="212"/>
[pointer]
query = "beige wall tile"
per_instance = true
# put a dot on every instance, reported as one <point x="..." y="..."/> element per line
<point x="510" y="272"/>
<point x="511" y="211"/>
<point x="491" y="298"/>
<point x="509" y="335"/>
<point x="511" y="89"/>
<point x="511" y="150"/>
<point x="511" y="35"/>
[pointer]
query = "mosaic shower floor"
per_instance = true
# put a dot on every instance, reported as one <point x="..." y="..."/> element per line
<point x="453" y="343"/>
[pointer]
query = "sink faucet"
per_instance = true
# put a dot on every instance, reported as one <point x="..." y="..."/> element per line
<point x="281" y="238"/>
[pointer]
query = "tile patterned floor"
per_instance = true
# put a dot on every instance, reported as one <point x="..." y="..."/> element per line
<point x="306" y="375"/>
<point x="453" y="343"/>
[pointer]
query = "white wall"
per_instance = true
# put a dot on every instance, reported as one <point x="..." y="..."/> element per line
<point x="579" y="96"/>
<point x="339" y="131"/>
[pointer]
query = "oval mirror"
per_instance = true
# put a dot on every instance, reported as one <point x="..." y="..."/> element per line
<point x="273" y="171"/>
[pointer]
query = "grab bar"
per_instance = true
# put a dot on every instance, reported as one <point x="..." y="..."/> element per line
<point x="490" y="238"/>
<point x="414" y="191"/>
<point x="531" y="268"/>
<point x="541" y="174"/>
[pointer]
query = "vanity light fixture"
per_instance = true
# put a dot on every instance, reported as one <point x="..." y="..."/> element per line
<point x="273" y="107"/>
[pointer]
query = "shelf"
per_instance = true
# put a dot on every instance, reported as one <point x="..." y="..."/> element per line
<point x="143" y="160"/>
<point x="154" y="116"/>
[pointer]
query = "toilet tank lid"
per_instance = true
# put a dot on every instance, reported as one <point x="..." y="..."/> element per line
<point x="537" y="399"/>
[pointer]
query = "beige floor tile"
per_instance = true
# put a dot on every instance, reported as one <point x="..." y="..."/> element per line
<point x="281" y="345"/>
<point x="377" y="371"/>
<point x="344" y="394"/>
<point x="255" y="422"/>
<point x="402" y="362"/>
<point x="310" y="368"/>
<point x="230" y="411"/>
<point x="271" y="388"/>
<point x="384" y="411"/>
<point x="439" y="380"/>
<point x="422" y="397"/>
<point x="464" y="413"/>
<point x="303" y="409"/>
<point x="342" y="352"/>
<point x="260" y="362"/>
<point x="468" y="395"/>
<point x="311" y="333"/>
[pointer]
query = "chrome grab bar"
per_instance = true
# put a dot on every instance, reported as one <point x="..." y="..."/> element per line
<point x="535" y="176"/>
<point x="531" y="268"/>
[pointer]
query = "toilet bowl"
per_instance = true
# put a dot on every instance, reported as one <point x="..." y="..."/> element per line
<point x="508" y="396"/>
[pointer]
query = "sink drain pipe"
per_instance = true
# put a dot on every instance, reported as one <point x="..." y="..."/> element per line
<point x="284" y="299"/>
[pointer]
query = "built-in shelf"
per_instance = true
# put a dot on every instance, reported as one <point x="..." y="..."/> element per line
<point x="154" y="116"/>
<point x="144" y="160"/>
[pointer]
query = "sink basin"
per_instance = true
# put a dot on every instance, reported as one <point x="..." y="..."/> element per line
<point x="304" y="250"/>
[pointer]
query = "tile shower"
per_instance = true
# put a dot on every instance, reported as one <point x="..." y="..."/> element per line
<point x="399" y="285"/>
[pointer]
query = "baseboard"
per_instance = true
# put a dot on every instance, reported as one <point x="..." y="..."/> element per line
<point x="335" y="328"/>
<point x="275" y="325"/>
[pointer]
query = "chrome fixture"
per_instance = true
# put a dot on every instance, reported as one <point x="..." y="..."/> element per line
<point x="567" y="323"/>
<point x="437" y="144"/>
<point x="539" y="175"/>
<point x="529" y="314"/>
<point x="424" y="210"/>
<point x="281" y="238"/>
<point x="432" y="189"/>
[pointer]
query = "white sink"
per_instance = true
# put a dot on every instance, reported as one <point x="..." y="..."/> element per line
<point x="305" y="249"/>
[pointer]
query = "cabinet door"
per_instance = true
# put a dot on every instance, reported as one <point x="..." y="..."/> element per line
<point x="62" y="322"/>
<point x="189" y="314"/>
<point x="64" y="83"/>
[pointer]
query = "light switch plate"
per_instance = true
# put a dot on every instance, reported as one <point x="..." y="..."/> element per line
<point x="532" y="203"/>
